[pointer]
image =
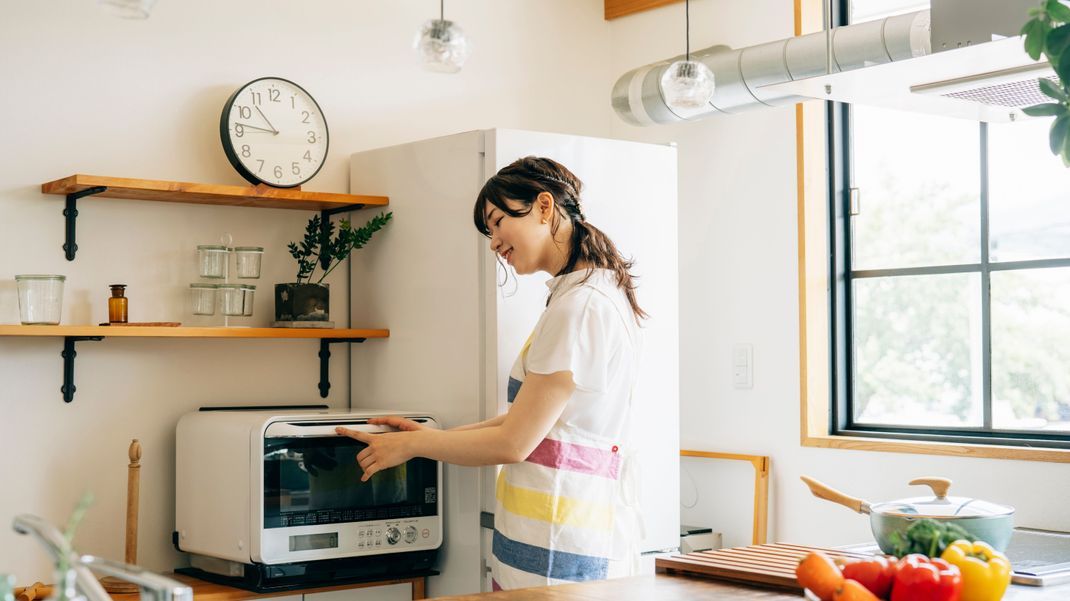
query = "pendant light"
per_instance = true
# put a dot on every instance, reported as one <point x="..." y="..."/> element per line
<point x="687" y="84"/>
<point x="441" y="44"/>
<point x="128" y="9"/>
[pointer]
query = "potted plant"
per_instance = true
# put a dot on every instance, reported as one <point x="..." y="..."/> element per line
<point x="325" y="247"/>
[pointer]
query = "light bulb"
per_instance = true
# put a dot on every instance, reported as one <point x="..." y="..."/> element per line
<point x="442" y="46"/>
<point x="687" y="85"/>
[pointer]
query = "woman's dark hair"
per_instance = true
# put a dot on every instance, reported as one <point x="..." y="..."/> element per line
<point x="522" y="181"/>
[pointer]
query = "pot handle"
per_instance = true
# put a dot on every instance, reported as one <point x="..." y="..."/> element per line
<point x="940" y="486"/>
<point x="828" y="493"/>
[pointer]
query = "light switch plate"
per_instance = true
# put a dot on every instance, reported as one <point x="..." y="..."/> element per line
<point x="743" y="366"/>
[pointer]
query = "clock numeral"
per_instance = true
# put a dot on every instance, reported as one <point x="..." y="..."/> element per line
<point x="256" y="98"/>
<point x="273" y="95"/>
<point x="239" y="130"/>
<point x="244" y="112"/>
<point x="308" y="156"/>
<point x="293" y="102"/>
<point x="295" y="168"/>
<point x="278" y="171"/>
<point x="245" y="152"/>
<point x="305" y="116"/>
<point x="311" y="137"/>
<point x="261" y="167"/>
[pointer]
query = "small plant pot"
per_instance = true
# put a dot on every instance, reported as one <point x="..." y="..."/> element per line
<point x="302" y="302"/>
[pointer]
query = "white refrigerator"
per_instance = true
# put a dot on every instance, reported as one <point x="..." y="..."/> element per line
<point x="457" y="320"/>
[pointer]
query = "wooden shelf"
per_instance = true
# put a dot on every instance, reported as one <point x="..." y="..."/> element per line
<point x="209" y="194"/>
<point x="190" y="332"/>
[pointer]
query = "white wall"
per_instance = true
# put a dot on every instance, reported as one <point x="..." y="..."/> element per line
<point x="88" y="93"/>
<point x="738" y="283"/>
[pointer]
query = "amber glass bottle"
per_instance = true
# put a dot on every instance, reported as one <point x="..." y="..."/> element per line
<point x="117" y="304"/>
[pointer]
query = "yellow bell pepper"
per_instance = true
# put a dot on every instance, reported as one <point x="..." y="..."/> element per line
<point x="985" y="571"/>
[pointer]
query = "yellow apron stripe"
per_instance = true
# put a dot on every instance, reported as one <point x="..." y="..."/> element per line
<point x="558" y="510"/>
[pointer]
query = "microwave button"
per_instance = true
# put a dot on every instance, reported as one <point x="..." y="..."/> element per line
<point x="393" y="535"/>
<point x="410" y="534"/>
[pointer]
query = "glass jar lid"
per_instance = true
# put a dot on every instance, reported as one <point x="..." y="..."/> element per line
<point x="212" y="247"/>
<point x="247" y="287"/>
<point x="249" y="249"/>
<point x="230" y="286"/>
<point x="40" y="276"/>
<point x="204" y="285"/>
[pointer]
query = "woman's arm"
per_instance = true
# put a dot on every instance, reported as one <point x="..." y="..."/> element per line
<point x="538" y="404"/>
<point x="487" y="423"/>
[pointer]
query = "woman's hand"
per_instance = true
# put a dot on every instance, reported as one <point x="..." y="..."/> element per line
<point x="384" y="450"/>
<point x="401" y="423"/>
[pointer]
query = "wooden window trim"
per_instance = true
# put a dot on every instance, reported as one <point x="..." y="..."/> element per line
<point x="814" y="356"/>
<point x="620" y="8"/>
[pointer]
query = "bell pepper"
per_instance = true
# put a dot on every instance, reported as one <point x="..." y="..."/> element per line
<point x="875" y="573"/>
<point x="985" y="571"/>
<point x="918" y="578"/>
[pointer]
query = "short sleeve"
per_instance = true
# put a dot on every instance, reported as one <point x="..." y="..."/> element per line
<point x="576" y="334"/>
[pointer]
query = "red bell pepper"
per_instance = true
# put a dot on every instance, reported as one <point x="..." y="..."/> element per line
<point x="919" y="578"/>
<point x="875" y="573"/>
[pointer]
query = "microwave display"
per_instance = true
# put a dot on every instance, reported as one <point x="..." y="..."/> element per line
<point x="316" y="480"/>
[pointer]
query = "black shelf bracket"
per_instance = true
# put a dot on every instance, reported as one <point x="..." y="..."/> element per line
<point x="325" y="220"/>
<point x="325" y="362"/>
<point x="70" y="212"/>
<point x="68" y="363"/>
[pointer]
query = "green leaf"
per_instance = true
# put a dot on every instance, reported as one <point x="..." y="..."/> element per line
<point x="1051" y="89"/>
<point x="1058" y="11"/>
<point x="1045" y="110"/>
<point x="1057" y="40"/>
<point x="1034" y="32"/>
<point x="1057" y="133"/>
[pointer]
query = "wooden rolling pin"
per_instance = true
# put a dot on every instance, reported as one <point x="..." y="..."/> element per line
<point x="133" y="487"/>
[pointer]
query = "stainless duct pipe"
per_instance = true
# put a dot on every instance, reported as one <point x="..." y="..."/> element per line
<point x="739" y="75"/>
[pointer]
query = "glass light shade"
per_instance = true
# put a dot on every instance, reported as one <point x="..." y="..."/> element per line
<point x="442" y="46"/>
<point x="687" y="85"/>
<point x="128" y="9"/>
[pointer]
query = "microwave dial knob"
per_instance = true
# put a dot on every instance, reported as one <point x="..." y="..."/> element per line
<point x="410" y="534"/>
<point x="393" y="535"/>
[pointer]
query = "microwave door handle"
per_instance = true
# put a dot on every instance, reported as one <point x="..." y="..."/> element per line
<point x="284" y="430"/>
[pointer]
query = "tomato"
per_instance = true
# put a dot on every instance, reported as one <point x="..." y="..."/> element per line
<point x="819" y="574"/>
<point x="875" y="573"/>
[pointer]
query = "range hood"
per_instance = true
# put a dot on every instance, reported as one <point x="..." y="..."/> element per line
<point x="961" y="58"/>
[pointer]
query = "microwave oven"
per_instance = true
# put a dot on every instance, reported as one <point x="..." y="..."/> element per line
<point x="263" y="494"/>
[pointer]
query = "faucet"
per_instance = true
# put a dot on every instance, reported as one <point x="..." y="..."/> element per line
<point x="79" y="577"/>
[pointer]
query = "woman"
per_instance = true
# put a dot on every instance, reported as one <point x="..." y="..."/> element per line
<point x="566" y="492"/>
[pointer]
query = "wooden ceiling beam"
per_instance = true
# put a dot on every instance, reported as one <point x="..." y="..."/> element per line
<point x="620" y="8"/>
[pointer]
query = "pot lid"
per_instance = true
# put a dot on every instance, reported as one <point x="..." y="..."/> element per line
<point x="941" y="506"/>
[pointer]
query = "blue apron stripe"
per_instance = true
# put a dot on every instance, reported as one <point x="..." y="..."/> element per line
<point x="514" y="387"/>
<point x="544" y="562"/>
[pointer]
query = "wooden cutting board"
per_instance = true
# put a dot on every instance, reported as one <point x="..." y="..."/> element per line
<point x="768" y="565"/>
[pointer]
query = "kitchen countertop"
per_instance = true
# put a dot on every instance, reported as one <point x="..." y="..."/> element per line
<point x="678" y="587"/>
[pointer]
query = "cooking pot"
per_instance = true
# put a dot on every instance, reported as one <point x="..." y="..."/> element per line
<point x="989" y="522"/>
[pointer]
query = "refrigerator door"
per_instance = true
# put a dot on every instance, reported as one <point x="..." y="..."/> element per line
<point x="629" y="192"/>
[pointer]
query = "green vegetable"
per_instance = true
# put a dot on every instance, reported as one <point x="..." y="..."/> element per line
<point x="928" y="537"/>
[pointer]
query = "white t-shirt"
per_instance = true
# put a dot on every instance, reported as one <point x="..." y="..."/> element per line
<point x="589" y="329"/>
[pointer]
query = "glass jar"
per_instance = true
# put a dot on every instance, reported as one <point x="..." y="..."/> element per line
<point x="40" y="298"/>
<point x="232" y="299"/>
<point x="203" y="296"/>
<point x="212" y="261"/>
<point x="247" y="260"/>
<point x="248" y="290"/>
<point x="117" y="304"/>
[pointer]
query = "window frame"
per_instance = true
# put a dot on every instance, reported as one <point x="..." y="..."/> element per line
<point x="838" y="141"/>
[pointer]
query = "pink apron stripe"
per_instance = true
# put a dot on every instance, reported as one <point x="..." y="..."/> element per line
<point x="576" y="458"/>
<point x="494" y="586"/>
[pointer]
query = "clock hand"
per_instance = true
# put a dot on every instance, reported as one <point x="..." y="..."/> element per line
<point x="273" y="130"/>
<point x="270" y="131"/>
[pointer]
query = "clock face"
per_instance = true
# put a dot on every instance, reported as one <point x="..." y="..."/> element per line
<point x="273" y="132"/>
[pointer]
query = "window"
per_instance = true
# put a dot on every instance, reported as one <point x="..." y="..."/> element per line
<point x="951" y="310"/>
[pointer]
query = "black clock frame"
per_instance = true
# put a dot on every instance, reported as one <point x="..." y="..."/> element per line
<point x="232" y="156"/>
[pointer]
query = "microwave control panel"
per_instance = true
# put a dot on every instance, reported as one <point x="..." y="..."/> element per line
<point x="392" y="535"/>
<point x="352" y="539"/>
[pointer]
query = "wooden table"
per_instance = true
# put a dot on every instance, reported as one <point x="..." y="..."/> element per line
<point x="678" y="587"/>
<point x="207" y="591"/>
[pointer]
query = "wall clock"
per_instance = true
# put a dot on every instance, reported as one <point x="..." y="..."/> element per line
<point x="274" y="133"/>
